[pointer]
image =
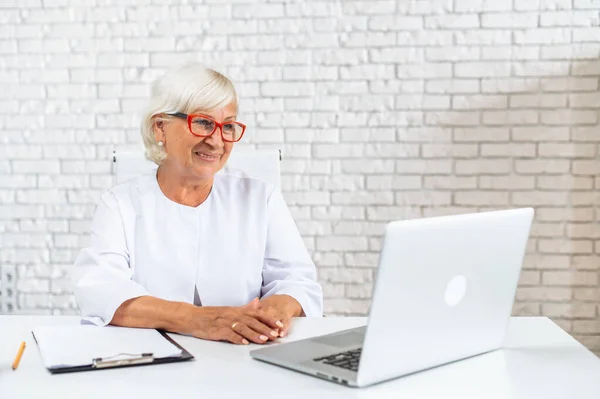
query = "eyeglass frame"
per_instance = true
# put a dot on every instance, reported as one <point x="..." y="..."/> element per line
<point x="189" y="118"/>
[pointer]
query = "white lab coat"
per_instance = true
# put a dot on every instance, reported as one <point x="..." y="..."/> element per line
<point x="241" y="243"/>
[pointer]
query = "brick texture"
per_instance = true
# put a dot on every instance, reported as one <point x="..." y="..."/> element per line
<point x="383" y="109"/>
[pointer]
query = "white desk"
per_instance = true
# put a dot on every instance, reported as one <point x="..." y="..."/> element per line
<point x="540" y="361"/>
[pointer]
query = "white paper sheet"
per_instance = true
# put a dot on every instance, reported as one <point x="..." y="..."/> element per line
<point x="63" y="346"/>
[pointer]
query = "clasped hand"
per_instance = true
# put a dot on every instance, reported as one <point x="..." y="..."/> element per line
<point x="257" y="322"/>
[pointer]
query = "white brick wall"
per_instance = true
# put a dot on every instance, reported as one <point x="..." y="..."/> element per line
<point x="384" y="110"/>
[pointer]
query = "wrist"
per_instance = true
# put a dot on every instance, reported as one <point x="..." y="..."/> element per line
<point x="182" y="317"/>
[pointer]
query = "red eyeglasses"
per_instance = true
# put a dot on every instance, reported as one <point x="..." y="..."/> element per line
<point x="204" y="126"/>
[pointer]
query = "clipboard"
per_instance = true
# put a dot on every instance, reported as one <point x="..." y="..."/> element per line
<point x="123" y="360"/>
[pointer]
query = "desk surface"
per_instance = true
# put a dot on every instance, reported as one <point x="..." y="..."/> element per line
<point x="540" y="360"/>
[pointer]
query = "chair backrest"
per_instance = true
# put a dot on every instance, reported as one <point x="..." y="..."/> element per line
<point x="262" y="164"/>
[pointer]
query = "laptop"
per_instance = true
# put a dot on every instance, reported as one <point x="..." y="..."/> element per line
<point x="444" y="292"/>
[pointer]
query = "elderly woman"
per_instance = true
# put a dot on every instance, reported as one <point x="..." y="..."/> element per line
<point x="216" y="256"/>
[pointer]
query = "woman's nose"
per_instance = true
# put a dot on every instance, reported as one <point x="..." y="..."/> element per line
<point x="215" y="140"/>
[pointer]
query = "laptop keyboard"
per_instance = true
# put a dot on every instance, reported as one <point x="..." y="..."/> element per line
<point x="346" y="360"/>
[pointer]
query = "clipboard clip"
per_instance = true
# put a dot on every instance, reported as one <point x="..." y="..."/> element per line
<point x="103" y="362"/>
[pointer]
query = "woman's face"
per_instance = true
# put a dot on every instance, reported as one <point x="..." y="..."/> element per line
<point x="194" y="156"/>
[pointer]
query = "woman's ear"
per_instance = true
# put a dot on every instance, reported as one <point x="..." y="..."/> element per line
<point x="158" y="125"/>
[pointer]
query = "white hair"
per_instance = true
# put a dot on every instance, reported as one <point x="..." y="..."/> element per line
<point x="186" y="89"/>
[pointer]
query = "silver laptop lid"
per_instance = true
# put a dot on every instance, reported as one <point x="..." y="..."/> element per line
<point x="444" y="291"/>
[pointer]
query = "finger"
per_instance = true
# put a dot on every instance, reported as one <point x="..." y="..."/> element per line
<point x="282" y="318"/>
<point x="227" y="334"/>
<point x="265" y="316"/>
<point x="270" y="315"/>
<point x="248" y="333"/>
<point x="286" y="321"/>
<point x="275" y="313"/>
<point x="260" y="327"/>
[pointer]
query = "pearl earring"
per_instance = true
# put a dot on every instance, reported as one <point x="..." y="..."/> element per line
<point x="160" y="143"/>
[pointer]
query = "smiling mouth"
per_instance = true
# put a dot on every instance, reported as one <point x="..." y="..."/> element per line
<point x="207" y="157"/>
